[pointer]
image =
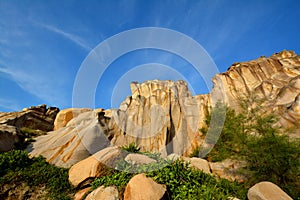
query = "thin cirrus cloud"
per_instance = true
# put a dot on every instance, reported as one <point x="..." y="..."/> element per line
<point x="77" y="40"/>
<point x="31" y="73"/>
<point x="35" y="84"/>
<point x="9" y="104"/>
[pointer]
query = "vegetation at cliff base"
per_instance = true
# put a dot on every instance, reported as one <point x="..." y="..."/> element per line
<point x="252" y="135"/>
<point x="16" y="169"/>
<point x="182" y="181"/>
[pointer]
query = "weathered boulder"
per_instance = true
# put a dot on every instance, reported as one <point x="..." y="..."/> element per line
<point x="267" y="191"/>
<point x="198" y="163"/>
<point x="173" y="156"/>
<point x="64" y="116"/>
<point x="81" y="193"/>
<point x="229" y="169"/>
<point x="82" y="137"/>
<point x="95" y="165"/>
<point x="8" y="137"/>
<point x="138" y="159"/>
<point x="104" y="193"/>
<point x="141" y="188"/>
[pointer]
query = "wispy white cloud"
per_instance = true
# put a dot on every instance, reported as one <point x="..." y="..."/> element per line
<point x="77" y="40"/>
<point x="9" y="105"/>
<point x="36" y="84"/>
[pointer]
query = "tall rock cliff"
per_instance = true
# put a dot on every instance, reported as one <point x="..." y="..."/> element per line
<point x="160" y="116"/>
<point x="276" y="80"/>
<point x="163" y="116"/>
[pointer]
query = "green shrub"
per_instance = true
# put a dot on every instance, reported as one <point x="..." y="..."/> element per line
<point x="182" y="182"/>
<point x="17" y="167"/>
<point x="186" y="183"/>
<point x="275" y="158"/>
<point x="195" y="152"/>
<point x="118" y="178"/>
<point x="132" y="147"/>
<point x="13" y="161"/>
<point x="252" y="136"/>
<point x="232" y="139"/>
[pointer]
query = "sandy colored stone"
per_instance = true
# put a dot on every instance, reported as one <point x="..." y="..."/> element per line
<point x="228" y="169"/>
<point x="35" y="117"/>
<point x="104" y="193"/>
<point x="80" y="194"/>
<point x="173" y="156"/>
<point x="267" y="191"/>
<point x="160" y="116"/>
<point x="164" y="117"/>
<point x="198" y="163"/>
<point x="94" y="166"/>
<point x="64" y="116"/>
<point x="276" y="79"/>
<point x="68" y="145"/>
<point x="142" y="188"/>
<point x="138" y="159"/>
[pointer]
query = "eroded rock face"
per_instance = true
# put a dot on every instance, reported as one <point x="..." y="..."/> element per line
<point x="38" y="118"/>
<point x="275" y="79"/>
<point x="35" y="117"/>
<point x="64" y="116"/>
<point x="68" y="145"/>
<point x="164" y="117"/>
<point x="160" y="116"/>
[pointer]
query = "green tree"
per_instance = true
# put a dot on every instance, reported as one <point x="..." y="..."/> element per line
<point x="252" y="135"/>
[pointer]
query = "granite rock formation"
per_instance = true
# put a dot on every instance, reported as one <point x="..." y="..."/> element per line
<point x="276" y="80"/>
<point x="64" y="116"/>
<point x="163" y="116"/>
<point x="39" y="118"/>
<point x="82" y="137"/>
<point x="160" y="116"/>
<point x="35" y="117"/>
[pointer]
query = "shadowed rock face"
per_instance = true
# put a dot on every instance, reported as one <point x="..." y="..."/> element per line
<point x="35" y="117"/>
<point x="38" y="118"/>
<point x="163" y="116"/>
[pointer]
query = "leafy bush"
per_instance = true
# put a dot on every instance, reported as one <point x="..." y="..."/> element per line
<point x="119" y="179"/>
<point x="275" y="158"/>
<point x="195" y="152"/>
<point x="132" y="147"/>
<point x="187" y="183"/>
<point x="252" y="136"/>
<point x="13" y="161"/>
<point x="182" y="182"/>
<point x="232" y="139"/>
<point x="17" y="167"/>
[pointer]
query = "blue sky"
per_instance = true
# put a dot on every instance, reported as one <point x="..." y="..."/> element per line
<point x="44" y="43"/>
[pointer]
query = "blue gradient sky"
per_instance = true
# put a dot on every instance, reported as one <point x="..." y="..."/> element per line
<point x="43" y="43"/>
